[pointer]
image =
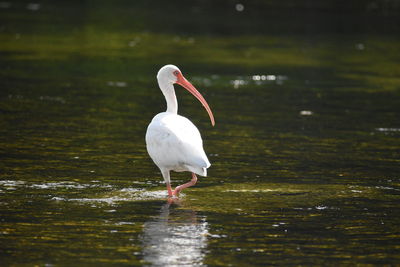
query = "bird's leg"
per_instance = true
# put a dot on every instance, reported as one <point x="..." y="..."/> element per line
<point x="169" y="190"/>
<point x="179" y="188"/>
<point x="165" y="174"/>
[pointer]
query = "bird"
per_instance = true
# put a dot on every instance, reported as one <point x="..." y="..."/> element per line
<point x="173" y="142"/>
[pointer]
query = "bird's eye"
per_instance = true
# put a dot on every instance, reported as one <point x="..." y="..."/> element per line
<point x="176" y="73"/>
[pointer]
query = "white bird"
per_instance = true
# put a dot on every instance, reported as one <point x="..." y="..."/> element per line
<point x="173" y="142"/>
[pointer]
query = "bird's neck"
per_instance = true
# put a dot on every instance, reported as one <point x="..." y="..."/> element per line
<point x="170" y="97"/>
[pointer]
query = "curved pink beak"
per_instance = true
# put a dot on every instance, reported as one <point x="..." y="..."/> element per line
<point x="188" y="86"/>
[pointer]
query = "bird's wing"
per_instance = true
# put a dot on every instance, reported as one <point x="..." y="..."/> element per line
<point x="174" y="141"/>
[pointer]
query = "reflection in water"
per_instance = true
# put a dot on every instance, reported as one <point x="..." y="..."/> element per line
<point x="176" y="237"/>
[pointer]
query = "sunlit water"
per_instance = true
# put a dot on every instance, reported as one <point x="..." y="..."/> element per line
<point x="305" y="152"/>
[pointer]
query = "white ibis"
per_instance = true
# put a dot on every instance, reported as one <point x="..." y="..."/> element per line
<point x="173" y="142"/>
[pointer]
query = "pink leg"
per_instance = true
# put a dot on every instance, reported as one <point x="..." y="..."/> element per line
<point x="169" y="189"/>
<point x="178" y="189"/>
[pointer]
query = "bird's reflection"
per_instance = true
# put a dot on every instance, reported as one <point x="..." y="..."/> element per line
<point x="178" y="236"/>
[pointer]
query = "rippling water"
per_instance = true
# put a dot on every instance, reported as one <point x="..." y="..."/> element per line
<point x="305" y="152"/>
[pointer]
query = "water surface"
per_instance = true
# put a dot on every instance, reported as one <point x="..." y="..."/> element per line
<point x="305" y="152"/>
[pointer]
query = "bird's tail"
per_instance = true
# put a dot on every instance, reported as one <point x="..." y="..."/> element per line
<point x="198" y="170"/>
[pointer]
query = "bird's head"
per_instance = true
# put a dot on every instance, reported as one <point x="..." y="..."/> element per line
<point x="169" y="73"/>
<point x="172" y="74"/>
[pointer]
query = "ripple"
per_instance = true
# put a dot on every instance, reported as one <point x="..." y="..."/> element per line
<point x="52" y="99"/>
<point x="387" y="130"/>
<point x="241" y="80"/>
<point x="306" y="113"/>
<point x="117" y="84"/>
<point x="109" y="197"/>
<point x="123" y="195"/>
<point x="58" y="199"/>
<point x="11" y="183"/>
<point x="14" y="184"/>
<point x="258" y="79"/>
<point x="68" y="185"/>
<point x="387" y="188"/>
<point x="251" y="190"/>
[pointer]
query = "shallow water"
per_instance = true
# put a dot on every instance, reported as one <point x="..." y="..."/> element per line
<point x="305" y="152"/>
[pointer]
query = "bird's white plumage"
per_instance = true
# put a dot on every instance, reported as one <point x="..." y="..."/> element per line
<point x="174" y="143"/>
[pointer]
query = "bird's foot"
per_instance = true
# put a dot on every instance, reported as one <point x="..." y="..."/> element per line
<point x="179" y="188"/>
<point x="176" y="192"/>
<point x="170" y="193"/>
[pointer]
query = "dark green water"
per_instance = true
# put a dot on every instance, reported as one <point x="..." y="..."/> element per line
<point x="305" y="152"/>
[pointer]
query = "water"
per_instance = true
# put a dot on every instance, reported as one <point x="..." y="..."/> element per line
<point x="305" y="152"/>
